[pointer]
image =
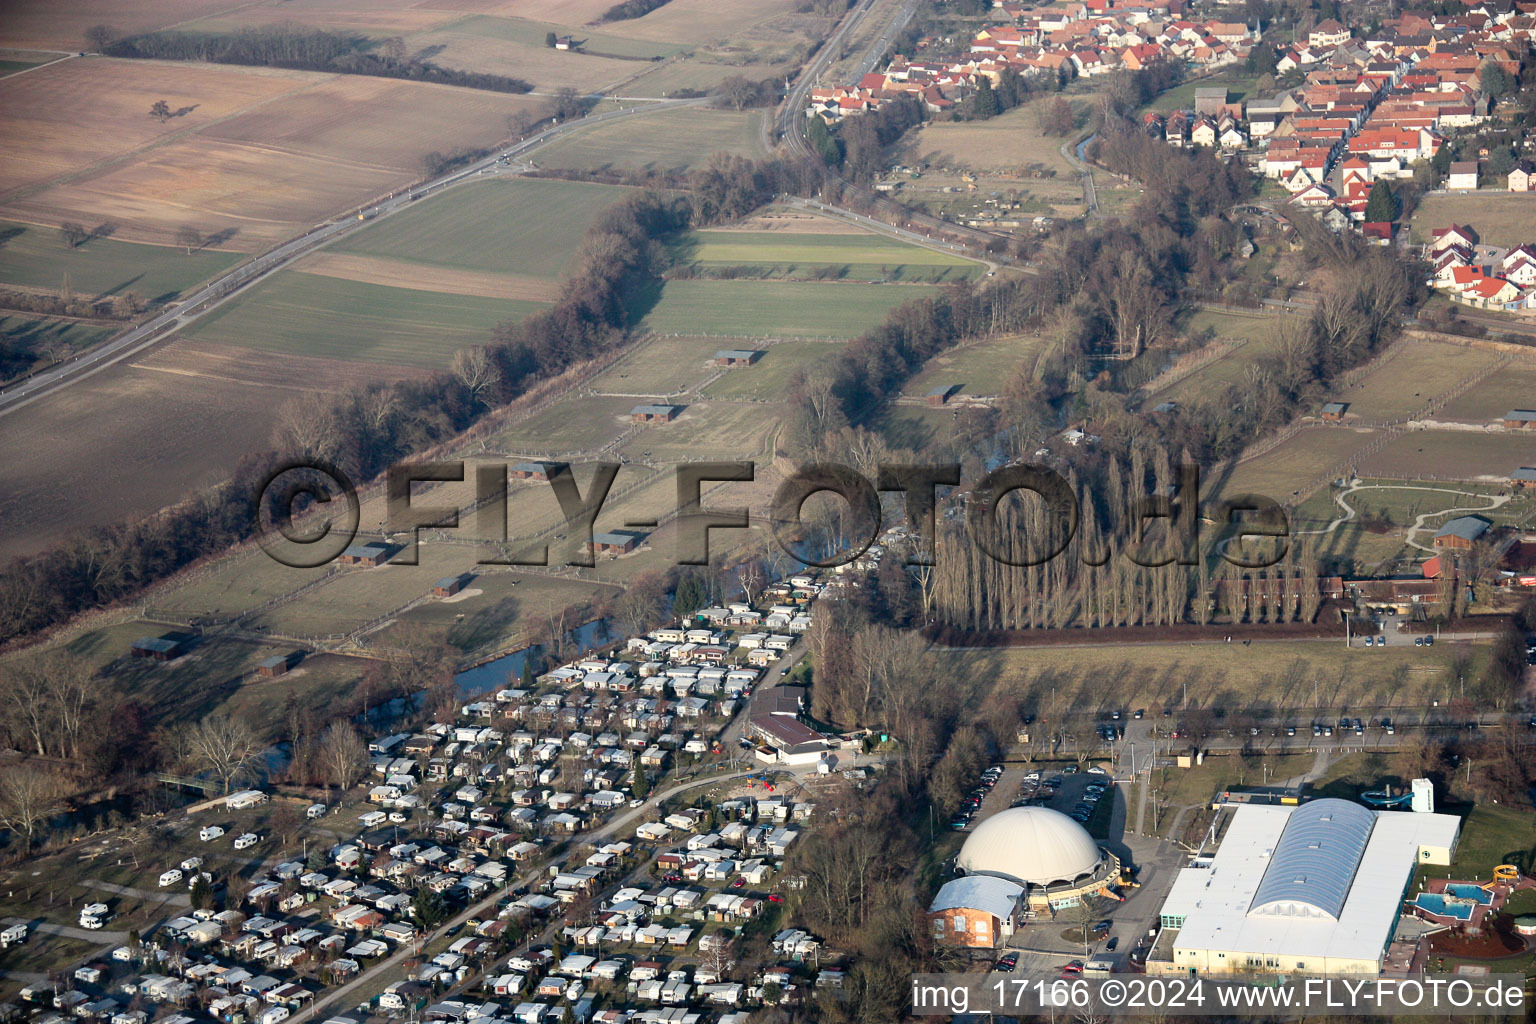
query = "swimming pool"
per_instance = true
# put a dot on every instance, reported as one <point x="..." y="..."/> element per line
<point x="1468" y="891"/>
<point x="1437" y="904"/>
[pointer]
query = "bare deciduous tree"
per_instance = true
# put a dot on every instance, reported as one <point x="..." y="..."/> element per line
<point x="220" y="744"/>
<point x="189" y="238"/>
<point x="480" y="375"/>
<point x="307" y="426"/>
<point x="343" y="756"/>
<point x="27" y="799"/>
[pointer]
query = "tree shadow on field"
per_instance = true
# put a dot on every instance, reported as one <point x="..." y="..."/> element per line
<point x="122" y="286"/>
<point x="9" y="233"/>
<point x="218" y="238"/>
<point x="106" y="229"/>
<point x="642" y="298"/>
<point x="485" y="625"/>
<point x="684" y="248"/>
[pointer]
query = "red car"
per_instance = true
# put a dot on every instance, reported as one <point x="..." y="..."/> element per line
<point x="774" y="897"/>
<point x="738" y="883"/>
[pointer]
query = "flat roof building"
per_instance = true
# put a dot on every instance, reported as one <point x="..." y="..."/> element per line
<point x="534" y="470"/>
<point x="654" y="413"/>
<point x="372" y="554"/>
<point x="158" y="648"/>
<point x="616" y="542"/>
<point x="737" y="356"/>
<point x="1315" y="889"/>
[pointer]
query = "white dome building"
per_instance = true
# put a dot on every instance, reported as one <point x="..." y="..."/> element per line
<point x="1024" y="858"/>
<point x="1031" y="846"/>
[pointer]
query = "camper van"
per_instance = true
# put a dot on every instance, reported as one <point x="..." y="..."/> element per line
<point x="209" y="833"/>
<point x="170" y="877"/>
<point x="13" y="936"/>
<point x="315" y="811"/>
<point x="246" y="841"/>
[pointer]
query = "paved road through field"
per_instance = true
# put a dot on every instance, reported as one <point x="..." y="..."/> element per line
<point x="218" y="291"/>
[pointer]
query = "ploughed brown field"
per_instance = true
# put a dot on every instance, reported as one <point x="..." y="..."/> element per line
<point x="422" y="277"/>
<point x="51" y="25"/>
<point x="263" y="154"/>
<point x="182" y="417"/>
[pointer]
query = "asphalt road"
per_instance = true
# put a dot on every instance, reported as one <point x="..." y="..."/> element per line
<point x="222" y="288"/>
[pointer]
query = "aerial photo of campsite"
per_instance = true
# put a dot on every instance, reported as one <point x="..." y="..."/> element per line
<point x="767" y="511"/>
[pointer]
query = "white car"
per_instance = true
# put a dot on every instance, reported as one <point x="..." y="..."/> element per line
<point x="209" y="833"/>
<point x="246" y="841"/>
<point x="398" y="817"/>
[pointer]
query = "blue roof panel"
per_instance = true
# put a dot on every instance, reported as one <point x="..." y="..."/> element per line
<point x="1314" y="860"/>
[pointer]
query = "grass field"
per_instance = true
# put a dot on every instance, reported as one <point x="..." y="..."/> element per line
<point x="1419" y="372"/>
<point x="697" y="71"/>
<point x="798" y="254"/>
<point x="1230" y="367"/>
<point x="570" y="425"/>
<point x="1490" y="835"/>
<point x="1008" y="142"/>
<point x="775" y="308"/>
<point x="665" y="140"/>
<point x="38" y="340"/>
<point x="1499" y="218"/>
<point x="1257" y="327"/>
<point x="1512" y="387"/>
<point x="37" y="257"/>
<point x="768" y="378"/>
<point x="1274" y="674"/>
<point x="661" y="366"/>
<point x="905" y="426"/>
<point x="493" y="617"/>
<point x="306" y="314"/>
<point x="983" y="368"/>
<point x="1279" y="472"/>
<point x="1453" y="454"/>
<point x="1182" y="97"/>
<point x="470" y="44"/>
<point x="727" y="430"/>
<point x="351" y="598"/>
<point x="10" y="67"/>
<point x="217" y="672"/>
<point x="525" y="226"/>
<point x="1397" y="501"/>
<point x="526" y="32"/>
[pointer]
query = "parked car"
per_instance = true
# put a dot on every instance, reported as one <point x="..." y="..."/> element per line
<point x="1007" y="962"/>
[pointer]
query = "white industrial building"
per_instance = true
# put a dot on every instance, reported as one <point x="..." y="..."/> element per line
<point x="1312" y="889"/>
